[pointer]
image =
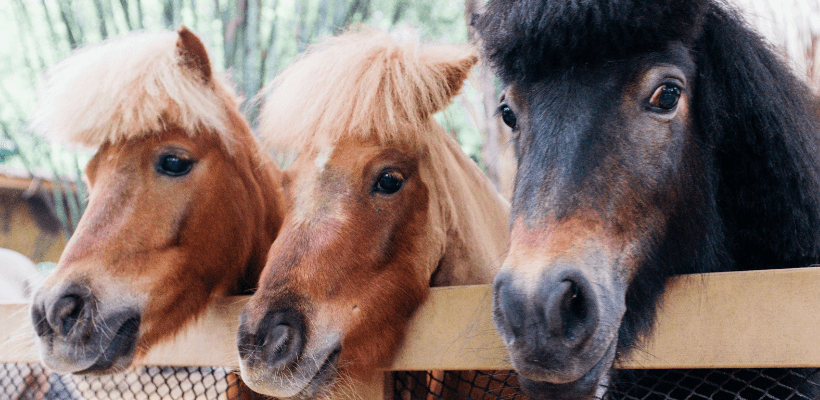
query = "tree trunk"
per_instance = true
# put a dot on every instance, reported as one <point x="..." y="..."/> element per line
<point x="302" y="38"/>
<point x="55" y="39"/>
<point x="140" y="16"/>
<point x="361" y="7"/>
<point x="98" y="6"/>
<point x="232" y="33"/>
<point x="398" y="12"/>
<point x="66" y="18"/>
<point x="268" y="64"/>
<point x="324" y="20"/>
<point x="168" y="14"/>
<point x="253" y="55"/>
<point x="124" y="5"/>
<point x="339" y="12"/>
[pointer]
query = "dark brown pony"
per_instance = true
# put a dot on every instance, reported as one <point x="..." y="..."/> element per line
<point x="654" y="138"/>
<point x="383" y="205"/>
<point x="182" y="204"/>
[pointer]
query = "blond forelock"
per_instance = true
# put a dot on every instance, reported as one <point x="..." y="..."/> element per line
<point x="128" y="87"/>
<point x="362" y="84"/>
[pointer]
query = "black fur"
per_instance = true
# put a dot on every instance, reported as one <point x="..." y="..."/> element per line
<point x="524" y="39"/>
<point x="755" y="130"/>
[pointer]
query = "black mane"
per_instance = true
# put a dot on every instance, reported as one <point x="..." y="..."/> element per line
<point x="756" y="124"/>
<point x="522" y="39"/>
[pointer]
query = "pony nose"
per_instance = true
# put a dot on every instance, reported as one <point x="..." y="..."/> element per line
<point x="277" y="341"/>
<point x="560" y="315"/>
<point x="569" y="307"/>
<point x="509" y="310"/>
<point x="65" y="313"/>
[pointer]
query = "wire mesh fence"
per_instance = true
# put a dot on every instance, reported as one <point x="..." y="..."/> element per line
<point x="717" y="384"/>
<point x="33" y="382"/>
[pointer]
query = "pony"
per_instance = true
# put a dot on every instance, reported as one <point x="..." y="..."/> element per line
<point x="183" y="206"/>
<point x="18" y="279"/>
<point x="383" y="204"/>
<point x="654" y="138"/>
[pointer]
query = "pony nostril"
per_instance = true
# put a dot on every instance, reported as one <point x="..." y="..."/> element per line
<point x="574" y="311"/>
<point x="570" y="312"/>
<point x="64" y="313"/>
<point x="277" y="340"/>
<point x="509" y="309"/>
<point x="281" y="345"/>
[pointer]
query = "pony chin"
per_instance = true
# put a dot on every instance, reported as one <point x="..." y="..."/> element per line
<point x="312" y="376"/>
<point x="589" y="386"/>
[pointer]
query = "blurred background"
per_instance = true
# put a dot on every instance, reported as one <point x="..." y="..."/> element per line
<point x="41" y="192"/>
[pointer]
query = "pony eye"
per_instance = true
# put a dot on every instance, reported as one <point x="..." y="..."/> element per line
<point x="389" y="182"/>
<point x="173" y="165"/>
<point x="508" y="115"/>
<point x="665" y="97"/>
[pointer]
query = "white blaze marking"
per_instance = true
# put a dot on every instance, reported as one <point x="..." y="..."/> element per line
<point x="323" y="157"/>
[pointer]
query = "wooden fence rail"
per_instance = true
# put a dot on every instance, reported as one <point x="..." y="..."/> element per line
<point x="724" y="320"/>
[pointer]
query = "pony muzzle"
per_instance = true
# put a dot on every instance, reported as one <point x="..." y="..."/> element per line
<point x="559" y="328"/>
<point x="78" y="336"/>
<point x="275" y="358"/>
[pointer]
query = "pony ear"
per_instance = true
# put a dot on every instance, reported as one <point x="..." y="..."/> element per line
<point x="453" y="63"/>
<point x="193" y="54"/>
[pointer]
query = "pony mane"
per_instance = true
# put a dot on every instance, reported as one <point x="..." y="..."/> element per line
<point x="360" y="84"/>
<point x="756" y="123"/>
<point x="129" y="87"/>
<point x="524" y="39"/>
<point x="760" y="124"/>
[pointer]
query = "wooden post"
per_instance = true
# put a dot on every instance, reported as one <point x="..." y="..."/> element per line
<point x="379" y="387"/>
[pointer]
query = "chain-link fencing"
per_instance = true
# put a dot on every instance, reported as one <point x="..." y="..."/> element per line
<point x="33" y="382"/>
<point x="717" y="384"/>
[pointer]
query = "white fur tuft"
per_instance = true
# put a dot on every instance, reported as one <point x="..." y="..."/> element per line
<point x="127" y="87"/>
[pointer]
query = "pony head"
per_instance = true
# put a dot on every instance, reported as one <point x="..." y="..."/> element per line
<point x="383" y="204"/>
<point x="182" y="206"/>
<point x="654" y="138"/>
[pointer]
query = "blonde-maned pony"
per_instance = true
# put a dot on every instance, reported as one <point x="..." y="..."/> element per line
<point x="183" y="206"/>
<point x="383" y="204"/>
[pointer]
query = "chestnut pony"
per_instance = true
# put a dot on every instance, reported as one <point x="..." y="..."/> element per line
<point x="654" y="138"/>
<point x="383" y="205"/>
<point x="183" y="206"/>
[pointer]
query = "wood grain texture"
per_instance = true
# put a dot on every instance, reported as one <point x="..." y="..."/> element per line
<point x="724" y="320"/>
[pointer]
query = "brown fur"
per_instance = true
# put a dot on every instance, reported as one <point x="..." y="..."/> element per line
<point x="164" y="245"/>
<point x="355" y="262"/>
